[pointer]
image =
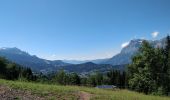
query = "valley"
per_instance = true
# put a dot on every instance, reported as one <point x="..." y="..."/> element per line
<point x="84" y="50"/>
<point x="118" y="62"/>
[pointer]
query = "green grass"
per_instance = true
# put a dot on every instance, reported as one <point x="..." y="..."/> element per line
<point x="71" y="92"/>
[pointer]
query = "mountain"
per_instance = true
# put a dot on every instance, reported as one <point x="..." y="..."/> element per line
<point x="90" y="67"/>
<point x="37" y="64"/>
<point x="75" y="61"/>
<point x="124" y="57"/>
<point x="31" y="61"/>
<point x="42" y="65"/>
<point x="97" y="61"/>
<point x="118" y="61"/>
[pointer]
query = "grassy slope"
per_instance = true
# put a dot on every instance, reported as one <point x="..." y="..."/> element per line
<point x="71" y="92"/>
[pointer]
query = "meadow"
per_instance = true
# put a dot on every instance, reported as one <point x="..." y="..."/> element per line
<point x="57" y="92"/>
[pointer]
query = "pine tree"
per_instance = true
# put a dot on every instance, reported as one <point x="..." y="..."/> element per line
<point x="166" y="67"/>
<point x="99" y="78"/>
<point x="2" y="67"/>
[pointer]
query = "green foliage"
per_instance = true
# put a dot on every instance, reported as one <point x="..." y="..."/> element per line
<point x="12" y="71"/>
<point x="113" y="77"/>
<point x="74" y="79"/>
<point x="61" y="77"/>
<point x="148" y="72"/>
<point x="2" y="68"/>
<point x="64" y="78"/>
<point x="91" y="81"/>
<point x="116" y="77"/>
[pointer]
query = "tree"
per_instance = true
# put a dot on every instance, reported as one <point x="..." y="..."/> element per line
<point x="83" y="81"/>
<point x="74" y="79"/>
<point x="91" y="80"/>
<point x="166" y="67"/>
<point x="140" y="71"/>
<point x="116" y="77"/>
<point x="2" y="67"/>
<point x="150" y="69"/>
<point x="12" y="71"/>
<point x="61" y="77"/>
<point x="123" y="80"/>
<point x="99" y="78"/>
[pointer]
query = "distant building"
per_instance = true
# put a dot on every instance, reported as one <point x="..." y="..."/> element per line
<point x="106" y="87"/>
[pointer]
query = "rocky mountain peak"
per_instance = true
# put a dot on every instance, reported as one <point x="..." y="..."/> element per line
<point x="133" y="46"/>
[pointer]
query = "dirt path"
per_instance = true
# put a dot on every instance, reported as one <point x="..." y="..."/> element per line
<point x="7" y="93"/>
<point x="84" y="95"/>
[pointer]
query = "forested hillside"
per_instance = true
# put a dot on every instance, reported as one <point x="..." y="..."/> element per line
<point x="12" y="71"/>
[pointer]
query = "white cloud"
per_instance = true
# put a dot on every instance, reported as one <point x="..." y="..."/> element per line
<point x="53" y="55"/>
<point x="125" y="44"/>
<point x="155" y="34"/>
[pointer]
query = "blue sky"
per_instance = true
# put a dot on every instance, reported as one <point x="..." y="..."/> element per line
<point x="80" y="29"/>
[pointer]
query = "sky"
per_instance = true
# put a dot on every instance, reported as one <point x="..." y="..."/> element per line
<point x="80" y="29"/>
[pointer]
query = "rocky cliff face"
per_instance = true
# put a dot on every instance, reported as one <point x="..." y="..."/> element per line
<point x="124" y="57"/>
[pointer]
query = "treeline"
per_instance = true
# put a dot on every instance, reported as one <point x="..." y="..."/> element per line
<point x="149" y="71"/>
<point x="12" y="71"/>
<point x="113" y="77"/>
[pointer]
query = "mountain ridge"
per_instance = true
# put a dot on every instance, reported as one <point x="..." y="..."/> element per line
<point x="124" y="57"/>
<point x="38" y="64"/>
<point x="25" y="59"/>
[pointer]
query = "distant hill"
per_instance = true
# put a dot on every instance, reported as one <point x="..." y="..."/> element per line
<point x="31" y="61"/>
<point x="97" y="61"/>
<point x="90" y="67"/>
<point x="37" y="64"/>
